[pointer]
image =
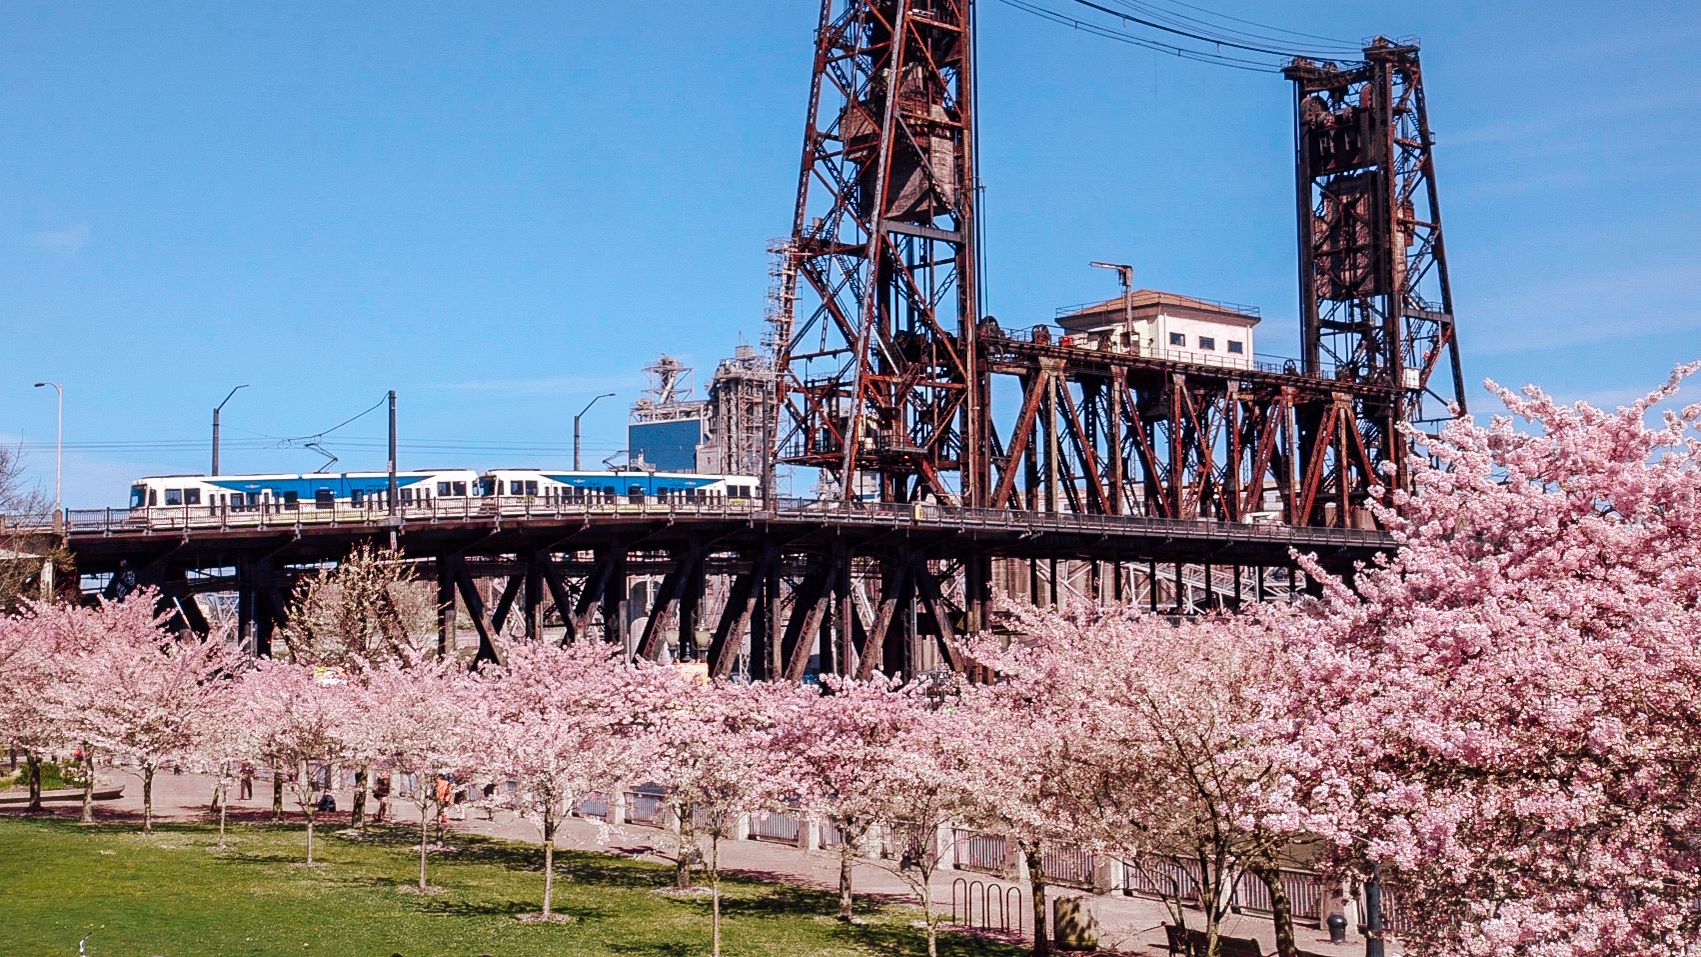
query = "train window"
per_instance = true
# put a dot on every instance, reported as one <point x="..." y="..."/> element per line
<point x="531" y="488"/>
<point x="173" y="496"/>
<point x="324" y="498"/>
<point x="356" y="497"/>
<point x="488" y="486"/>
<point x="460" y="490"/>
<point x="442" y="488"/>
<point x="191" y="496"/>
<point x="407" y="495"/>
<point x="237" y="500"/>
<point x="138" y="496"/>
<point x="291" y="500"/>
<point x="635" y="493"/>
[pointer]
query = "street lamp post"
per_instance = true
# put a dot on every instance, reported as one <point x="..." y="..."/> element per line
<point x="576" y="418"/>
<point x="58" y="451"/>
<point x="216" y="410"/>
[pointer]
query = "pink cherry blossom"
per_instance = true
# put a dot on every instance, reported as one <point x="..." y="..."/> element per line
<point x="551" y="725"/>
<point x="307" y="718"/>
<point x="1504" y="716"/>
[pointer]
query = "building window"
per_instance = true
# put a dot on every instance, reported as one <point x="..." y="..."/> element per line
<point x="1178" y="339"/>
<point x="1208" y="343"/>
<point x="1237" y="347"/>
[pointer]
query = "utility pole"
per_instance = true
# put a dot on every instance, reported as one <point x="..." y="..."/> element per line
<point x="576" y="418"/>
<point x="216" y="410"/>
<point x="392" y="495"/>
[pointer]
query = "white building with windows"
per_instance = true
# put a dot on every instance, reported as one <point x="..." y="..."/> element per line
<point x="1165" y="326"/>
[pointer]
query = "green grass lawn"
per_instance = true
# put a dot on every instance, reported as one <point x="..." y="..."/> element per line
<point x="172" y="895"/>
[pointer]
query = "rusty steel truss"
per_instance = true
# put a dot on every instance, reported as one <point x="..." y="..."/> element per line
<point x="889" y="382"/>
<point x="878" y="360"/>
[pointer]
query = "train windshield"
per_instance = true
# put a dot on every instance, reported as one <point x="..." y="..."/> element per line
<point x="138" y="496"/>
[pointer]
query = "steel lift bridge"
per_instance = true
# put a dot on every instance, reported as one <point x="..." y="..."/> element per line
<point x="1098" y="474"/>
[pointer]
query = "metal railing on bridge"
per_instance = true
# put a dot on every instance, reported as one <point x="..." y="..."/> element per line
<point x="186" y="519"/>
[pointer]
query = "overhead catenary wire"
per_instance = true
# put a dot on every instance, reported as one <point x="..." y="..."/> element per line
<point x="1185" y="53"/>
<point x="1347" y="44"/>
<point x="1289" y="53"/>
<point x="1204" y="30"/>
<point x="1281" y="51"/>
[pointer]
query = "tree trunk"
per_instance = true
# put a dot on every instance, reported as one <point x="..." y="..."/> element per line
<point x="32" y="770"/>
<point x="147" y="799"/>
<point x="88" y="785"/>
<point x="687" y="847"/>
<point x="309" y="838"/>
<point x="277" y="796"/>
<point x="847" y="861"/>
<point x="357" y="807"/>
<point x="715" y="894"/>
<point x="926" y="868"/>
<point x="1281" y="909"/>
<point x="424" y="838"/>
<point x="548" y="866"/>
<point x="1036" y="883"/>
<point x="224" y="808"/>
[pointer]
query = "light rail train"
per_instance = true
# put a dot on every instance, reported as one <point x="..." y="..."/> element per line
<point x="234" y="496"/>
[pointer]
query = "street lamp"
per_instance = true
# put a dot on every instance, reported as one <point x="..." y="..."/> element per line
<point x="58" y="452"/>
<point x="216" y="410"/>
<point x="576" y="418"/>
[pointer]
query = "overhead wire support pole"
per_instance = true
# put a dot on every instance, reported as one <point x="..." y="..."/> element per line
<point x="392" y="466"/>
<point x="216" y="410"/>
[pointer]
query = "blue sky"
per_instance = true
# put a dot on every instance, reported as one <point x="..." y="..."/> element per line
<point x="502" y="212"/>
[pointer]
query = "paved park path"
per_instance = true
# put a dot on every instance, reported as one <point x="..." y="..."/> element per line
<point x="1127" y="925"/>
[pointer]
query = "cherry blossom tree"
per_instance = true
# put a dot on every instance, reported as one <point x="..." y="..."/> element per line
<point x="1038" y="794"/>
<point x="367" y="611"/>
<point x="416" y="719"/>
<point x="833" y="748"/>
<point x="228" y="737"/>
<point x="34" y="647"/>
<point x="1145" y="738"/>
<point x="550" y="723"/>
<point x="923" y="785"/>
<point x="144" y="693"/>
<point x="705" y="744"/>
<point x="306" y="717"/>
<point x="1503" y="717"/>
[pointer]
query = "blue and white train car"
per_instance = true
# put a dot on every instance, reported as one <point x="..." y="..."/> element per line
<point x="632" y="487"/>
<point x="221" y="494"/>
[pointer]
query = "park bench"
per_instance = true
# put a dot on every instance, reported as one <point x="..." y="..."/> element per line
<point x="1188" y="943"/>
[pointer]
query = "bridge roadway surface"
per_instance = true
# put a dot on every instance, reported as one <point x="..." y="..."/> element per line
<point x="198" y="537"/>
<point x="1129" y="925"/>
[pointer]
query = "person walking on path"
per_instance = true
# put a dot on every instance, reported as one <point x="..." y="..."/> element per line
<point x="246" y="790"/>
<point x="380" y="791"/>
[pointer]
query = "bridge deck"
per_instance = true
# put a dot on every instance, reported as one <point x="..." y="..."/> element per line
<point x="198" y="536"/>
